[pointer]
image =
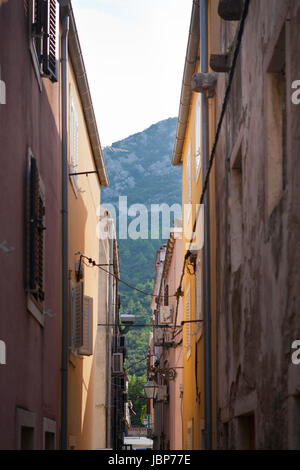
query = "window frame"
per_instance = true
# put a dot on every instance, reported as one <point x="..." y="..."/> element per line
<point x="49" y="425"/>
<point x="35" y="307"/>
<point x="26" y="419"/>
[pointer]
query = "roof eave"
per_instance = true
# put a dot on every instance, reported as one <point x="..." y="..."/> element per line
<point x="186" y="91"/>
<point x="84" y="93"/>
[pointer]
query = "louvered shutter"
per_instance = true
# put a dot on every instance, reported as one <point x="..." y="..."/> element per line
<point x="41" y="237"/>
<point x="166" y="295"/>
<point x="33" y="220"/>
<point x="45" y="28"/>
<point x="87" y="346"/>
<point x="50" y="16"/>
<point x="35" y="233"/>
<point x="73" y="139"/>
<point x="77" y="315"/>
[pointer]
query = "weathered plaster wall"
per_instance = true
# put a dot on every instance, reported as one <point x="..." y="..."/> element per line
<point x="258" y="300"/>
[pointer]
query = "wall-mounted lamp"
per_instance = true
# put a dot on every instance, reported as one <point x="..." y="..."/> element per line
<point x="151" y="389"/>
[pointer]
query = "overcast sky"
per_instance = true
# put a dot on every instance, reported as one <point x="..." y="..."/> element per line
<point x="134" y="52"/>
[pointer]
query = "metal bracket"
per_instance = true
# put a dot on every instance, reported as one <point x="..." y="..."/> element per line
<point x="83" y="173"/>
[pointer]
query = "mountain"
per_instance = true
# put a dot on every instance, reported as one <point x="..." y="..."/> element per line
<point x="139" y="167"/>
<point x="144" y="174"/>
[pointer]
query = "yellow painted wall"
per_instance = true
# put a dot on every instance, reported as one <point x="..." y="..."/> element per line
<point x="82" y="237"/>
<point x="193" y="405"/>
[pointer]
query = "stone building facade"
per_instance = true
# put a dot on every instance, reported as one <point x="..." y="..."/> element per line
<point x="258" y="233"/>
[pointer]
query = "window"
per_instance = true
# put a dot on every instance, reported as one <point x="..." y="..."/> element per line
<point x="27" y="438"/>
<point x="35" y="243"/>
<point x="81" y="320"/>
<point x="25" y="430"/>
<point x="276" y="124"/>
<point x="49" y="434"/>
<point x="44" y="29"/>
<point x="73" y="141"/>
<point x="198" y="134"/>
<point x="246" y="432"/>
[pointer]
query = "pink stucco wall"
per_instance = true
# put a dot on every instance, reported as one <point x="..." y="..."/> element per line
<point x="173" y="410"/>
<point x="29" y="380"/>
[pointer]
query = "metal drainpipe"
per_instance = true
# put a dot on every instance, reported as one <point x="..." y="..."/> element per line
<point x="65" y="281"/>
<point x="108" y="337"/>
<point x="207" y="326"/>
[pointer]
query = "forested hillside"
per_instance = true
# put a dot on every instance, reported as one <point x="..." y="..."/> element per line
<point x="141" y="170"/>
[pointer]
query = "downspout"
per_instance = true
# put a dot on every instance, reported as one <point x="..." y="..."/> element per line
<point x="65" y="297"/>
<point x="207" y="325"/>
<point x="108" y="335"/>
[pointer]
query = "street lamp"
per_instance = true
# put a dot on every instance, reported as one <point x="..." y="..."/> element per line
<point x="127" y="319"/>
<point x="151" y="389"/>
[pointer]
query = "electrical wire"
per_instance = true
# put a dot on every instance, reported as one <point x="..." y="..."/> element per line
<point x="217" y="135"/>
<point x="94" y="264"/>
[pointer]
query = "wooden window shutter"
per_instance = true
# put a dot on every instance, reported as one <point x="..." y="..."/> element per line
<point x="77" y="290"/>
<point x="87" y="346"/>
<point x="44" y="31"/>
<point x="49" y="39"/>
<point x="35" y="233"/>
<point x="188" y="318"/>
<point x="73" y="139"/>
<point x="166" y="295"/>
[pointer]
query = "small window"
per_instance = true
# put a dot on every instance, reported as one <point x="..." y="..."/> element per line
<point x="49" y="434"/>
<point x="26" y="423"/>
<point x="44" y="30"/>
<point x="27" y="438"/>
<point x="246" y="432"/>
<point x="49" y="441"/>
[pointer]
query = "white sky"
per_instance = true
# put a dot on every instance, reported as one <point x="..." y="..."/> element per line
<point x="134" y="52"/>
